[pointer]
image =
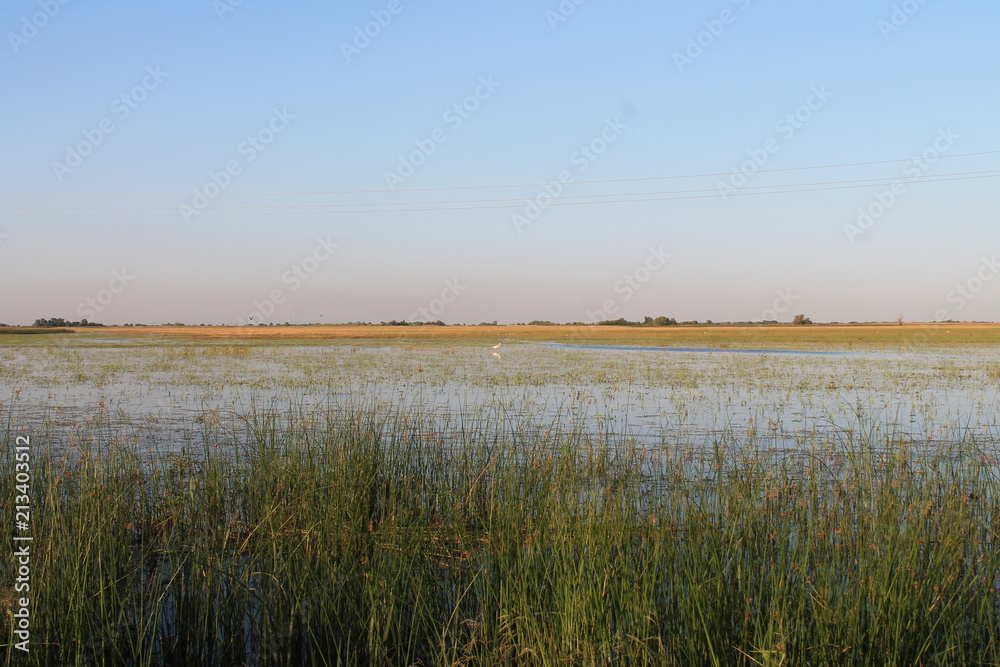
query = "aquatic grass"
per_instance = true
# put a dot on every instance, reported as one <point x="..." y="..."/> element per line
<point x="374" y="533"/>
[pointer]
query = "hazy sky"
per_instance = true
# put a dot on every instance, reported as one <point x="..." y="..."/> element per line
<point x="639" y="116"/>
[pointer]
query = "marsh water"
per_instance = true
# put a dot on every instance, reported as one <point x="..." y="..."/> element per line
<point x="171" y="394"/>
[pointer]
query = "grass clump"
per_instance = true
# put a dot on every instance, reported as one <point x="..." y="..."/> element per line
<point x="360" y="536"/>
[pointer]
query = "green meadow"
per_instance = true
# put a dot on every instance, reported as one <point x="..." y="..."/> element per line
<point x="301" y="501"/>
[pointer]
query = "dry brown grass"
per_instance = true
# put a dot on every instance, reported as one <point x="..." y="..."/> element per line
<point x="887" y="335"/>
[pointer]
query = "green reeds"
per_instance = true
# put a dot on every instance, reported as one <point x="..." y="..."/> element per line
<point x="358" y="536"/>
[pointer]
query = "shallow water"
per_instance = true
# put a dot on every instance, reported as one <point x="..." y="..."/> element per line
<point x="162" y="391"/>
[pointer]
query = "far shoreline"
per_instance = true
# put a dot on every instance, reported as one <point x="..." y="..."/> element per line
<point x="883" y="335"/>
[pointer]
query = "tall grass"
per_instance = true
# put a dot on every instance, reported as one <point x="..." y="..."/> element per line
<point x="360" y="536"/>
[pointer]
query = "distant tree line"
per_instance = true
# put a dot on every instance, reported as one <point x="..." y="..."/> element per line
<point x="404" y="323"/>
<point x="661" y="321"/>
<point x="647" y="321"/>
<point x="60" y="322"/>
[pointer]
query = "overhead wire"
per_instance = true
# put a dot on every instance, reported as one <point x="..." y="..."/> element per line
<point x="508" y="185"/>
<point x="555" y="202"/>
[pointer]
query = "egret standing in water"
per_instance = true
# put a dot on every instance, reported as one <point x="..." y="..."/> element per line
<point x="497" y="346"/>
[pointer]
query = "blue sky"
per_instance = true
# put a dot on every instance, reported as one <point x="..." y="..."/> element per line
<point x="257" y="101"/>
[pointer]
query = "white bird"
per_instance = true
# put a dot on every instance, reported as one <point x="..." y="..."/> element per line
<point x="497" y="346"/>
<point x="497" y="355"/>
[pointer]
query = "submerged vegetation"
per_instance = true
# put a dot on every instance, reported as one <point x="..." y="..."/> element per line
<point x="356" y="535"/>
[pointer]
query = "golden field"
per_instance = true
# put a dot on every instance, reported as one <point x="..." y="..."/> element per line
<point x="887" y="335"/>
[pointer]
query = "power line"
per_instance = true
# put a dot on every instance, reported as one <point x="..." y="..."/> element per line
<point x="488" y="187"/>
<point x="132" y="212"/>
<point x="866" y="182"/>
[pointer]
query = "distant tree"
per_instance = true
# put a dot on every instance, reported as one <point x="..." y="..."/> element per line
<point x="53" y="322"/>
<point x="801" y="319"/>
<point x="899" y="319"/>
